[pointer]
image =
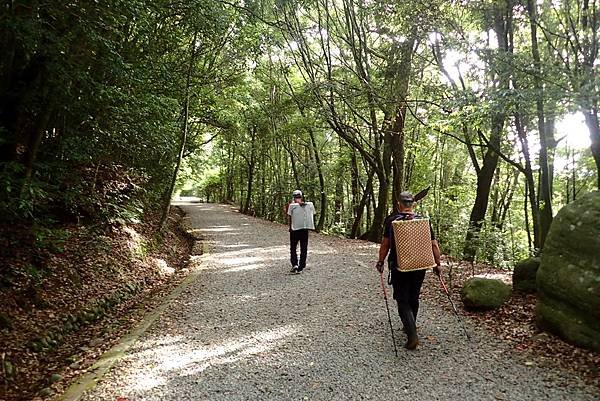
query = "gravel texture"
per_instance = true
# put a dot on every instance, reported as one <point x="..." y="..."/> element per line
<point x="246" y="329"/>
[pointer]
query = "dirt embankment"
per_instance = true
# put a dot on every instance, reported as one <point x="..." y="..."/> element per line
<point x="69" y="293"/>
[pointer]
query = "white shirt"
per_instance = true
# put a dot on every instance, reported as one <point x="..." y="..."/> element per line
<point x="302" y="216"/>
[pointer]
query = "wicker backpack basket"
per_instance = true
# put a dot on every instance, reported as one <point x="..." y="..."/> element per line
<point x="413" y="244"/>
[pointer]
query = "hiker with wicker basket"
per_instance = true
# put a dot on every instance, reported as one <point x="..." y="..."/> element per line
<point x="411" y="248"/>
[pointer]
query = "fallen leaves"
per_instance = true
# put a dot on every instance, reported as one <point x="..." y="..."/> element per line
<point x="514" y="322"/>
<point x="90" y="266"/>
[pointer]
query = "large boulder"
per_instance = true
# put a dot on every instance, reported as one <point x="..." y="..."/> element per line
<point x="524" y="275"/>
<point x="568" y="279"/>
<point x="484" y="293"/>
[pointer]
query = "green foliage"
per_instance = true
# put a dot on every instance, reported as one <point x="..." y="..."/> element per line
<point x="577" y="177"/>
<point x="92" y="98"/>
<point x="492" y="247"/>
<point x="211" y="187"/>
<point x="34" y="272"/>
<point x="99" y="87"/>
<point x="49" y="239"/>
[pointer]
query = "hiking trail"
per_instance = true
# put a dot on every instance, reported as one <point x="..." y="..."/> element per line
<point x="246" y="329"/>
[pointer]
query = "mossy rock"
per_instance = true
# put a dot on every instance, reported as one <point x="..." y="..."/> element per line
<point x="483" y="293"/>
<point x="567" y="322"/>
<point x="524" y="275"/>
<point x="568" y="279"/>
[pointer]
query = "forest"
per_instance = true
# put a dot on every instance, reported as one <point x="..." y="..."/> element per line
<point x="110" y="108"/>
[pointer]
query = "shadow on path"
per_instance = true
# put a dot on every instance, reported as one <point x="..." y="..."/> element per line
<point x="248" y="330"/>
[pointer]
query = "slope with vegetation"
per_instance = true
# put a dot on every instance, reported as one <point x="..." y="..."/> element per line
<point x="69" y="292"/>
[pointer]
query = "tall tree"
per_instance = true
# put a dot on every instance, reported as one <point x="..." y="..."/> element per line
<point x="571" y="30"/>
<point x="185" y="115"/>
<point x="545" y="131"/>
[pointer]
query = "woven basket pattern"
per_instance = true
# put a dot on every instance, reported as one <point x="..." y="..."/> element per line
<point x="413" y="244"/>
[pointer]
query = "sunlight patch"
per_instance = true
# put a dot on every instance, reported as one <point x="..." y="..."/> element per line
<point x="255" y="251"/>
<point x="163" y="267"/>
<point x="161" y="341"/>
<point x="246" y="296"/>
<point x="240" y="261"/>
<point x="134" y="238"/>
<point x="244" y="268"/>
<point x="184" y="359"/>
<point x="149" y="381"/>
<point x="217" y="229"/>
<point x="504" y="277"/>
<point x="233" y="351"/>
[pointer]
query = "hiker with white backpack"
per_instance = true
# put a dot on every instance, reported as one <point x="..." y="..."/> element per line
<point x="301" y="220"/>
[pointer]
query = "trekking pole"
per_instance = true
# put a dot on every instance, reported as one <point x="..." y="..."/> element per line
<point x="387" y="307"/>
<point x="454" y="307"/>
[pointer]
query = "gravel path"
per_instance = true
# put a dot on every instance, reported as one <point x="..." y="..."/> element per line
<point x="248" y="330"/>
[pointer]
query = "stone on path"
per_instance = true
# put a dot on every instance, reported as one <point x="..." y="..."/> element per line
<point x="484" y="293"/>
<point x="524" y="275"/>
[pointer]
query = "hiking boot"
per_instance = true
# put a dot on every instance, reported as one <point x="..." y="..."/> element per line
<point x="409" y="326"/>
<point x="412" y="342"/>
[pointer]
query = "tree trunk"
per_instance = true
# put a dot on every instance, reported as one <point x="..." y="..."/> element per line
<point x="591" y="120"/>
<point x="251" y="162"/>
<point x="399" y="70"/>
<point x="33" y="145"/>
<point x="355" y="193"/>
<point x="507" y="199"/>
<point x="502" y="27"/>
<point x="530" y="186"/>
<point x="485" y="177"/>
<point x="545" y="183"/>
<point x="262" y="191"/>
<point x="184" y="133"/>
<point x="317" y="156"/>
<point x="359" y="208"/>
<point x="229" y="184"/>
<point x="338" y="202"/>
<point x="398" y="154"/>
<point x="379" y="214"/>
<point x="478" y="212"/>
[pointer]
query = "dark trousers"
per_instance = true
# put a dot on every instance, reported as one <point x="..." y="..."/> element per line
<point x="295" y="237"/>
<point x="407" y="288"/>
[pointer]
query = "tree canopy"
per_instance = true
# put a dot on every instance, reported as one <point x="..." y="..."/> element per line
<point x="108" y="109"/>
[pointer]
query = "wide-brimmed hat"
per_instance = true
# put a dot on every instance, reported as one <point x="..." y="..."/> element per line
<point x="297" y="194"/>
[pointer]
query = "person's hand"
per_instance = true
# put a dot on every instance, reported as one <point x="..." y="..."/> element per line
<point x="379" y="266"/>
<point x="437" y="269"/>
